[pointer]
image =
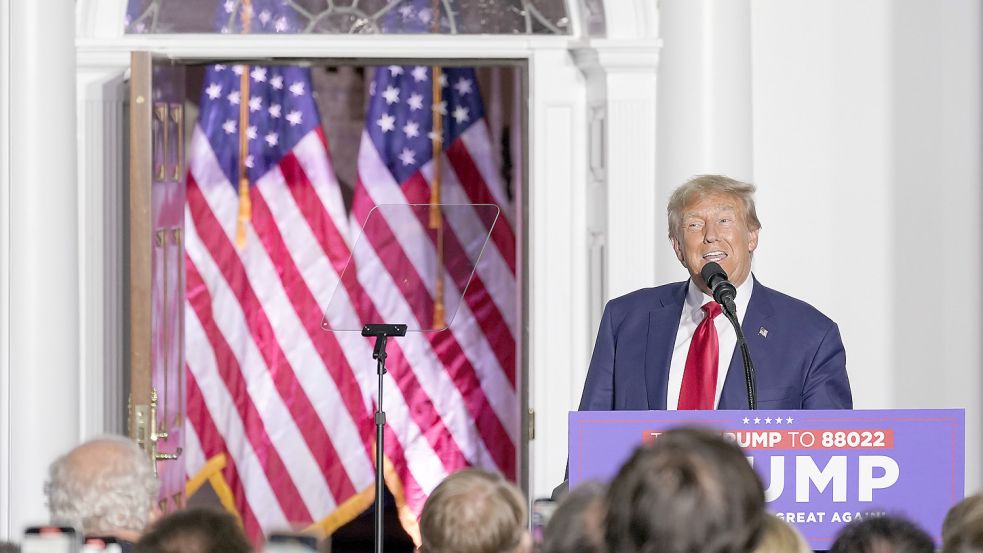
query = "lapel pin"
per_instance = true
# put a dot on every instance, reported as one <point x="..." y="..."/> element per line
<point x="763" y="332"/>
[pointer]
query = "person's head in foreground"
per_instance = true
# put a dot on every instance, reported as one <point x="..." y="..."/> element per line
<point x="778" y="536"/>
<point x="577" y="525"/>
<point x="105" y="487"/>
<point x="713" y="218"/>
<point x="196" y="530"/>
<point x="885" y="534"/>
<point x="475" y="511"/>
<point x="690" y="491"/>
<point x="967" y="511"/>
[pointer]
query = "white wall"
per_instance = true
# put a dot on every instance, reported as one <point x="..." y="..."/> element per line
<point x="866" y="125"/>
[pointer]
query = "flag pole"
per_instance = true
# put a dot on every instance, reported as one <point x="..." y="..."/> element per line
<point x="245" y="204"/>
<point x="437" y="142"/>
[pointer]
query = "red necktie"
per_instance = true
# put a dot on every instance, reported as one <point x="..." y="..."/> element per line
<point x="700" y="375"/>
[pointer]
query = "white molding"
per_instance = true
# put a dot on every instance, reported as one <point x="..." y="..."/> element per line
<point x="560" y="336"/>
<point x="115" y="52"/>
<point x="5" y="499"/>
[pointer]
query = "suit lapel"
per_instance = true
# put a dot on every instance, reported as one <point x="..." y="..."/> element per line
<point x="663" y="324"/>
<point x="759" y="310"/>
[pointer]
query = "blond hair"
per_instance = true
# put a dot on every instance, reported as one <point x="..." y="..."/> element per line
<point x="701" y="186"/>
<point x="473" y="511"/>
<point x="778" y="536"/>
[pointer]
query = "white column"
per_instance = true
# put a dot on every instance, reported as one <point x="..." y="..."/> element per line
<point x="40" y="260"/>
<point x="704" y="100"/>
<point x="623" y="210"/>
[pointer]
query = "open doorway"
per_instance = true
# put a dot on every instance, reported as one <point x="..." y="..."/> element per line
<point x="276" y="412"/>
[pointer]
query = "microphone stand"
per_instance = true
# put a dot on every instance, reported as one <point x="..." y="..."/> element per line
<point x="381" y="332"/>
<point x="730" y="311"/>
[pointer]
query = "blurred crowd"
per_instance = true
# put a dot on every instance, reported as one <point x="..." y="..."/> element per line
<point x="690" y="491"/>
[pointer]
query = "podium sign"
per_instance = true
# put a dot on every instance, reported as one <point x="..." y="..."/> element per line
<point x="821" y="469"/>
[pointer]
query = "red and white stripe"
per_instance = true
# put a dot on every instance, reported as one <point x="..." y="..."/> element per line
<point x="461" y="383"/>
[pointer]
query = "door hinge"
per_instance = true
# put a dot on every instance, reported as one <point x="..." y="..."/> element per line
<point x="531" y="425"/>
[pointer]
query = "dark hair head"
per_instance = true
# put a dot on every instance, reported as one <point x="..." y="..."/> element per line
<point x="196" y="530"/>
<point x="885" y="534"/>
<point x="577" y="525"/>
<point x="689" y="492"/>
<point x="965" y="512"/>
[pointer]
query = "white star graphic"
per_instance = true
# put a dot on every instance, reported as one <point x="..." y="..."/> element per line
<point x="259" y="74"/>
<point x="419" y="73"/>
<point x="237" y="69"/>
<point x="233" y="97"/>
<point x="229" y="126"/>
<point x="386" y="122"/>
<point x="229" y="6"/>
<point x="272" y="139"/>
<point x="214" y="90"/>
<point x="391" y="95"/>
<point x="460" y="114"/>
<point x="274" y="111"/>
<point x="789" y="420"/>
<point x="297" y="88"/>
<point x="276" y="82"/>
<point x="251" y="132"/>
<point x="249" y="162"/>
<point x="424" y="15"/>
<point x="265" y="16"/>
<point x="406" y="11"/>
<point x="746" y="420"/>
<point x="372" y="88"/>
<point x="219" y="67"/>
<point x="407" y="156"/>
<point x="395" y="70"/>
<point x="411" y="129"/>
<point x="441" y="108"/>
<point x="435" y="138"/>
<point x="767" y="420"/>
<point x="757" y="420"/>
<point x="280" y="25"/>
<point x="778" y="420"/>
<point x="443" y="80"/>
<point x="463" y="86"/>
<point x="415" y="102"/>
<point x="255" y="103"/>
<point x="294" y="118"/>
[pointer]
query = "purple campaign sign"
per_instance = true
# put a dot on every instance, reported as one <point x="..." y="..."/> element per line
<point x="820" y="469"/>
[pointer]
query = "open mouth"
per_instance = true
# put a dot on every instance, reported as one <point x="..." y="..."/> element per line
<point x="715" y="256"/>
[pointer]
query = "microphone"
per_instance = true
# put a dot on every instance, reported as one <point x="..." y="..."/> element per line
<point x="721" y="288"/>
<point x="724" y="293"/>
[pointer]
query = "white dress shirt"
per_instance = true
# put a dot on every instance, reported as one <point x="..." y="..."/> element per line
<point x="689" y="319"/>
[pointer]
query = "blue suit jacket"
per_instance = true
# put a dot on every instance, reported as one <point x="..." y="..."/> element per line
<point x="798" y="357"/>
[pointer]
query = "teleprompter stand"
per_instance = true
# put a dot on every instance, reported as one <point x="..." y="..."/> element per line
<point x="411" y="263"/>
<point x="381" y="333"/>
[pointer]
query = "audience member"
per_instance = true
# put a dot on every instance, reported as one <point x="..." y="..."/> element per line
<point x="106" y="487"/>
<point x="195" y="530"/>
<point x="966" y="511"/>
<point x="577" y="525"/>
<point x="885" y="534"/>
<point x="475" y="511"/>
<point x="690" y="491"/>
<point x="778" y="536"/>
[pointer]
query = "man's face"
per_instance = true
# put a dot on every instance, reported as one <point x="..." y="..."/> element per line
<point x="713" y="229"/>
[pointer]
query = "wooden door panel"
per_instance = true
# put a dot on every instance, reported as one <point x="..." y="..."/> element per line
<point x="157" y="197"/>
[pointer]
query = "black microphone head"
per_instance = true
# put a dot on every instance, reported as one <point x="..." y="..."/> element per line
<point x="712" y="273"/>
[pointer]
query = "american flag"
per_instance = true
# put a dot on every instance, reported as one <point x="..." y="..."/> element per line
<point x="266" y="387"/>
<point x="451" y="398"/>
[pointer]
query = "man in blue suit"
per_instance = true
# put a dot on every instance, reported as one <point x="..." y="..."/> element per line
<point x="666" y="348"/>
